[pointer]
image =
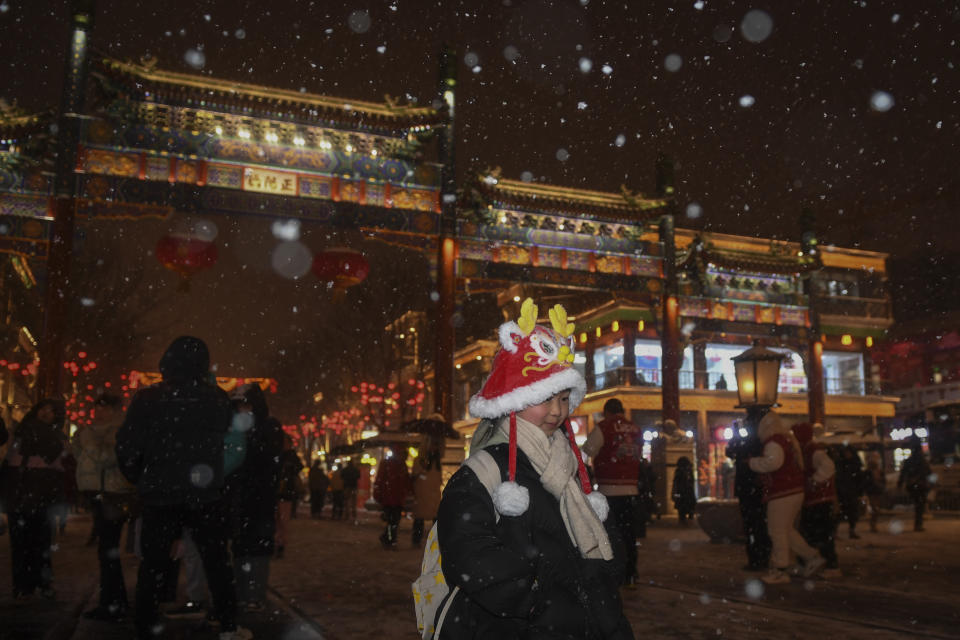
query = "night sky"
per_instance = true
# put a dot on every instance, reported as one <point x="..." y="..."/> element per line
<point x="849" y="107"/>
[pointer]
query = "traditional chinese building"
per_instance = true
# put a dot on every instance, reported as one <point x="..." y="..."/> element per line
<point x="603" y="256"/>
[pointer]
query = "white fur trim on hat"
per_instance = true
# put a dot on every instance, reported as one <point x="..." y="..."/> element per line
<point x="511" y="499"/>
<point x="530" y="395"/>
<point x="598" y="502"/>
<point x="506" y="330"/>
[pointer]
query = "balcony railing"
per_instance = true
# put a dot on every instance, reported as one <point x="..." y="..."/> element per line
<point x="709" y="379"/>
<point x="853" y="306"/>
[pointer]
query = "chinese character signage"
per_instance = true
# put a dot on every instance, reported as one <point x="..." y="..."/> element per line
<point x="263" y="181"/>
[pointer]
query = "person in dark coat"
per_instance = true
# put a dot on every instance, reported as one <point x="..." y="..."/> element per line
<point x="318" y="481"/>
<point x="390" y="490"/>
<point x="684" y="492"/>
<point x="915" y="476"/>
<point x="288" y="490"/>
<point x="351" y="479"/>
<point x="749" y="492"/>
<point x="252" y="495"/>
<point x="538" y="557"/>
<point x="33" y="485"/>
<point x="850" y="483"/>
<point x="171" y="446"/>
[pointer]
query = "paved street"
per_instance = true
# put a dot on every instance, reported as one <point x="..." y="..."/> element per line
<point x="337" y="583"/>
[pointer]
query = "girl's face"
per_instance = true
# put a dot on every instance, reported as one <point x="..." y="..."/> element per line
<point x="550" y="414"/>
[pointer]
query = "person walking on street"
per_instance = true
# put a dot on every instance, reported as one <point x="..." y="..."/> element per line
<point x="850" y="487"/>
<point x="684" y="493"/>
<point x="536" y="556"/>
<point x="616" y="447"/>
<point x="749" y="493"/>
<point x="336" y="494"/>
<point x="646" y="500"/>
<point x="33" y="486"/>
<point x="351" y="480"/>
<point x="781" y="466"/>
<point x="875" y="486"/>
<point x="252" y="494"/>
<point x="817" y="523"/>
<point x="114" y="501"/>
<point x="390" y="490"/>
<point x="915" y="476"/>
<point x="287" y="492"/>
<point x="427" y="479"/>
<point x="318" y="481"/>
<point x="171" y="446"/>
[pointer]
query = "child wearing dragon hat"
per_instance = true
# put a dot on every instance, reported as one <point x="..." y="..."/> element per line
<point x="532" y="558"/>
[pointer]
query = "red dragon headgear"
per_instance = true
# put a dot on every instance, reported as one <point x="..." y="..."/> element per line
<point x="533" y="364"/>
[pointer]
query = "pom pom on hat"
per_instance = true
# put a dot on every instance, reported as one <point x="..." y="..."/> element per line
<point x="511" y="499"/>
<point x="598" y="502"/>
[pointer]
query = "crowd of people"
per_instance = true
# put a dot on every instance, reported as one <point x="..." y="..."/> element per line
<point x="528" y="539"/>
<point x="195" y="477"/>
<point x="794" y="493"/>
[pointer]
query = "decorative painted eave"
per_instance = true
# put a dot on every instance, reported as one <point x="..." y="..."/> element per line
<point x="547" y="198"/>
<point x="749" y="262"/>
<point x="145" y="82"/>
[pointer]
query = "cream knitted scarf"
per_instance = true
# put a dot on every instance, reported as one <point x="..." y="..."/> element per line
<point x="553" y="459"/>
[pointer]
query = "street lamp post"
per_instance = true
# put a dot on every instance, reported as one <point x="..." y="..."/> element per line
<point x="758" y="374"/>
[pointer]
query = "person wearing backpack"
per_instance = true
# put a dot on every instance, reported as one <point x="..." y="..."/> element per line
<point x="530" y="555"/>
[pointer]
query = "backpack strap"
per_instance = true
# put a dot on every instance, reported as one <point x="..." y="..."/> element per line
<point x="486" y="469"/>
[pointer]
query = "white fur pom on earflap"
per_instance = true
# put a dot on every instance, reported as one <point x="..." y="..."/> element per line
<point x="598" y="502"/>
<point x="511" y="499"/>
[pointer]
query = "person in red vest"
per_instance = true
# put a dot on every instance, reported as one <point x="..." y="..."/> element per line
<point x="616" y="447"/>
<point x="817" y="523"/>
<point x="781" y="466"/>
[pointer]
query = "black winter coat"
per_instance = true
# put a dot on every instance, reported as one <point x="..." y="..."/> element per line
<point x="746" y="482"/>
<point x="34" y="487"/>
<point x="522" y="577"/>
<point x="171" y="442"/>
<point x="252" y="488"/>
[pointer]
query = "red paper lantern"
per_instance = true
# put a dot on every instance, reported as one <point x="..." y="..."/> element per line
<point x="186" y="256"/>
<point x="343" y="267"/>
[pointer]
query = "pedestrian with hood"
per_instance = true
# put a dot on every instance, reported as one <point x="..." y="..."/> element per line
<point x="390" y="490"/>
<point x="171" y="446"/>
<point x="817" y="523"/>
<point x="875" y="486"/>
<point x="318" y="481"/>
<point x="531" y="558"/>
<point x="684" y="493"/>
<point x="850" y="483"/>
<point x="33" y="486"/>
<point x="288" y="490"/>
<point x="252" y="495"/>
<point x="616" y="447"/>
<point x="781" y="469"/>
<point x="749" y="494"/>
<point x="113" y="501"/>
<point x="351" y="479"/>
<point x="915" y="476"/>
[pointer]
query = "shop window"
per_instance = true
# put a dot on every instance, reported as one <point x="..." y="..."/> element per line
<point x="843" y="372"/>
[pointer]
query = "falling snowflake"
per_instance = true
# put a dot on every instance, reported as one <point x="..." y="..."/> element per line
<point x="881" y="101"/>
<point x="756" y="25"/>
